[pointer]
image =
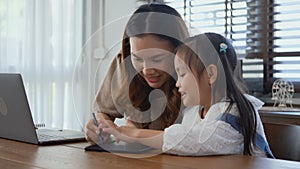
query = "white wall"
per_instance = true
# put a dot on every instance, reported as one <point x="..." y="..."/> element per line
<point x="103" y="25"/>
<point x="116" y="15"/>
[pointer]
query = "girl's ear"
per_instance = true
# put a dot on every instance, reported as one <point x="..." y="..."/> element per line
<point x="212" y="73"/>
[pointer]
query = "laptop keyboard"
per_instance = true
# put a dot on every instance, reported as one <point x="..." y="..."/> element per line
<point x="45" y="137"/>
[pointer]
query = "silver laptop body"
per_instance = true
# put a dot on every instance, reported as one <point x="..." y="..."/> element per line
<point x="16" y="121"/>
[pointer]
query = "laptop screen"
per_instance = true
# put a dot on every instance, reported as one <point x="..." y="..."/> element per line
<point x="16" y="122"/>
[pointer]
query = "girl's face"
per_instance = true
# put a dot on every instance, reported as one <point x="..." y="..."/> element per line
<point x="153" y="58"/>
<point x="194" y="90"/>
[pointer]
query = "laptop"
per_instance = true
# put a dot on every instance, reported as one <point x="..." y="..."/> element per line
<point x="16" y="122"/>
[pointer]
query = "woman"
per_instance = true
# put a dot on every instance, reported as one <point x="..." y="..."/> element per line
<point x="141" y="80"/>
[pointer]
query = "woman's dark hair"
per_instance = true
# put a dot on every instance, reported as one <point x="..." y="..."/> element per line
<point x="204" y="49"/>
<point x="165" y="23"/>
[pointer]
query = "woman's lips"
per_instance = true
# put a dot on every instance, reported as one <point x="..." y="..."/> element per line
<point x="153" y="79"/>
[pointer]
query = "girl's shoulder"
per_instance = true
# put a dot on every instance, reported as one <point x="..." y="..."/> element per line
<point x="191" y="109"/>
<point x="257" y="103"/>
<point x="191" y="112"/>
<point x="216" y="110"/>
<point x="221" y="107"/>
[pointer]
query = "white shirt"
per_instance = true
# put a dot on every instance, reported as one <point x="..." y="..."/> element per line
<point x="208" y="136"/>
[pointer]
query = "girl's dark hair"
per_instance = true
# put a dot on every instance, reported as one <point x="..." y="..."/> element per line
<point x="165" y="23"/>
<point x="204" y="49"/>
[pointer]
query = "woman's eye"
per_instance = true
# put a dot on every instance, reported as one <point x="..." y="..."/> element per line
<point x="181" y="75"/>
<point x="157" y="60"/>
<point x="138" y="59"/>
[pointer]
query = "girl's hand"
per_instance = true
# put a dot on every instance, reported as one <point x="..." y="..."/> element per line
<point x="129" y="122"/>
<point x="122" y="133"/>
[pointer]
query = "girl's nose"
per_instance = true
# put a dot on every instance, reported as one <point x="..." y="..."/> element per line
<point x="177" y="84"/>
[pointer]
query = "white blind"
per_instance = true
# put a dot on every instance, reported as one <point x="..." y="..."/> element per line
<point x="216" y="16"/>
<point x="265" y="34"/>
<point x="287" y="40"/>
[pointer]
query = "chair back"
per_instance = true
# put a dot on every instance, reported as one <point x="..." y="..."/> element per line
<point x="284" y="140"/>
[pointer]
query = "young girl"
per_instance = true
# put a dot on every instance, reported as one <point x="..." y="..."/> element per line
<point x="218" y="118"/>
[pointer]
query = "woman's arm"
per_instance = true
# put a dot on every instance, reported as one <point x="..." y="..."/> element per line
<point x="103" y="105"/>
<point x="106" y="98"/>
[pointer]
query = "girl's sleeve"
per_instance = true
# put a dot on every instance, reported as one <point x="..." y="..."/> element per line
<point x="215" y="138"/>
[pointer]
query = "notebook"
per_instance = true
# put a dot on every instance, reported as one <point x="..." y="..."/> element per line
<point x="112" y="146"/>
<point x="16" y="122"/>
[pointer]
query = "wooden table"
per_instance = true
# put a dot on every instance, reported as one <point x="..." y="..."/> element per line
<point x="22" y="155"/>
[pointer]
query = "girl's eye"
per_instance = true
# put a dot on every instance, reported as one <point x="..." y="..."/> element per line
<point x="181" y="75"/>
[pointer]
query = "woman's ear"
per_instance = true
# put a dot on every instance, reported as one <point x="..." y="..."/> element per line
<point x="212" y="73"/>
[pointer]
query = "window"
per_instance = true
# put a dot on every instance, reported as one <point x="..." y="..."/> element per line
<point x="42" y="40"/>
<point x="264" y="32"/>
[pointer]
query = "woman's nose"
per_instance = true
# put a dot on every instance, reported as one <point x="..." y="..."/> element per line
<point x="148" y="67"/>
<point x="147" y="71"/>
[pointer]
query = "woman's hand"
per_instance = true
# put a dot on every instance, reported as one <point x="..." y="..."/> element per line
<point x="93" y="134"/>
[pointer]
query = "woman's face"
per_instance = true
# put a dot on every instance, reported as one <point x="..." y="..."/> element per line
<point x="153" y="58"/>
